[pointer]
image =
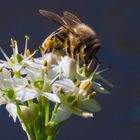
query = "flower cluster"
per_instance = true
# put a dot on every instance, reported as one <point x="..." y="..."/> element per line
<point x="29" y="84"/>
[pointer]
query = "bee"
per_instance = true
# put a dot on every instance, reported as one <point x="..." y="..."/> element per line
<point x="74" y="38"/>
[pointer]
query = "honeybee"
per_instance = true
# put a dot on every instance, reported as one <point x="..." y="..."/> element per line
<point x="74" y="38"/>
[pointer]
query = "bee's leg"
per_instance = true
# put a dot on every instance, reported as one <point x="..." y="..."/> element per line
<point x="67" y="47"/>
<point x="96" y="62"/>
<point x="75" y="53"/>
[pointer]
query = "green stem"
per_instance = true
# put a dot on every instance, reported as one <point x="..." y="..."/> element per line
<point x="53" y="134"/>
<point x="47" y="113"/>
<point x="36" y="132"/>
<point x="43" y="117"/>
<point x="54" y="112"/>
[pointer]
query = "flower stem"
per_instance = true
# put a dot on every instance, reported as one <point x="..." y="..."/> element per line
<point x="41" y="117"/>
<point x="54" y="112"/>
<point x="47" y="113"/>
<point x="53" y="134"/>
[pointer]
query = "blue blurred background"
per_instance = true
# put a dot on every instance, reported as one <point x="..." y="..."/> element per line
<point x="117" y="23"/>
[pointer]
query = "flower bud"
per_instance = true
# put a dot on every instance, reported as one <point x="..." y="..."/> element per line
<point x="29" y="114"/>
<point x="68" y="67"/>
<point x="50" y="127"/>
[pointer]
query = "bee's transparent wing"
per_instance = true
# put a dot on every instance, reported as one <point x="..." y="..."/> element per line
<point x="72" y="17"/>
<point x="52" y="16"/>
<point x="56" y="18"/>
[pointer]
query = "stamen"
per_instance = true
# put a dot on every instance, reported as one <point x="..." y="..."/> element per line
<point x="54" y="79"/>
<point x="15" y="49"/>
<point x="106" y="69"/>
<point x="94" y="72"/>
<point x="60" y="90"/>
<point x="31" y="55"/>
<point x="91" y="95"/>
<point x="26" y="44"/>
<point x="86" y="85"/>
<point x="1" y="69"/>
<point x="28" y="53"/>
<point x="87" y="114"/>
<point x="42" y="50"/>
<point x="77" y="83"/>
<point x="12" y="43"/>
<point x="45" y="63"/>
<point x="4" y="54"/>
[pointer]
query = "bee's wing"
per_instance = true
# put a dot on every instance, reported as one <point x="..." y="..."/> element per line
<point x="52" y="16"/>
<point x="56" y="18"/>
<point x="71" y="17"/>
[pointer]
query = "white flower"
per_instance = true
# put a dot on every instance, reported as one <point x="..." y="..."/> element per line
<point x="73" y="100"/>
<point x="7" y="94"/>
<point x="17" y="62"/>
<point x="39" y="85"/>
<point x="92" y="80"/>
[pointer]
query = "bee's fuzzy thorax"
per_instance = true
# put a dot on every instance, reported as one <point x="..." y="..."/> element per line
<point x="84" y="31"/>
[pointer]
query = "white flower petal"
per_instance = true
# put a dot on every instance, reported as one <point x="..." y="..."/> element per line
<point x="12" y="109"/>
<point x="51" y="97"/>
<point x="49" y="57"/>
<point x="16" y="67"/>
<point x="99" y="77"/>
<point x="25" y="94"/>
<point x="68" y="67"/>
<point x="66" y="84"/>
<point x="62" y="113"/>
<point x="52" y="73"/>
<point x="90" y="105"/>
<point x="33" y="73"/>
<point x="5" y="74"/>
